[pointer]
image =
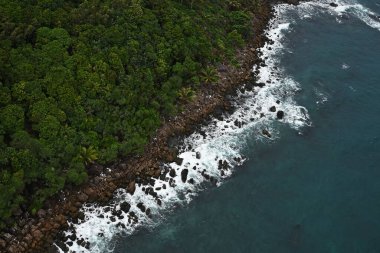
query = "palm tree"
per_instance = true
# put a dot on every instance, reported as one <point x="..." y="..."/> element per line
<point x="209" y="76"/>
<point x="88" y="155"/>
<point x="186" y="94"/>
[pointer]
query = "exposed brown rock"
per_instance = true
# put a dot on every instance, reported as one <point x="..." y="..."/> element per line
<point x="131" y="187"/>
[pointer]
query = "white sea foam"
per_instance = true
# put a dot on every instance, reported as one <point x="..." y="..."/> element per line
<point x="221" y="141"/>
<point x="345" y="66"/>
<point x="344" y="9"/>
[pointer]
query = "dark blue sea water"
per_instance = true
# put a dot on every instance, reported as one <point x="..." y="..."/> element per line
<point x="311" y="190"/>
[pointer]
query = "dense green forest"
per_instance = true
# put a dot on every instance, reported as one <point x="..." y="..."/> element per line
<point x="85" y="81"/>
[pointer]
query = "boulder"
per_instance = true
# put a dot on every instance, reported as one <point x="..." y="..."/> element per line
<point x="171" y="182"/>
<point x="333" y="5"/>
<point x="95" y="170"/>
<point x="41" y="213"/>
<point x="123" y="166"/>
<point x="91" y="193"/>
<point x="184" y="175"/>
<point x="272" y="109"/>
<point x="131" y="187"/>
<point x="260" y="85"/>
<point x="157" y="173"/>
<point x="198" y="155"/>
<point x="179" y="161"/>
<point x="266" y="133"/>
<point x="141" y="207"/>
<point x="82" y="197"/>
<point x="3" y="244"/>
<point x="37" y="234"/>
<point x="280" y="114"/>
<point x="13" y="249"/>
<point x="125" y="207"/>
<point x="172" y="173"/>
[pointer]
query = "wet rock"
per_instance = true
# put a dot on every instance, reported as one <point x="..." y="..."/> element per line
<point x="62" y="245"/>
<point x="280" y="114"/>
<point x="141" y="207"/>
<point x="81" y="216"/>
<point x="191" y="181"/>
<point x="112" y="218"/>
<point x="205" y="175"/>
<point x="148" y="211"/>
<point x="260" y="85"/>
<point x="125" y="206"/>
<point x="179" y="161"/>
<point x="117" y="213"/>
<point x="266" y="133"/>
<point x="237" y="123"/>
<point x="131" y="187"/>
<point x="333" y="5"/>
<point x="164" y="186"/>
<point x="184" y="175"/>
<point x="203" y="133"/>
<point x="220" y="164"/>
<point x="145" y="182"/>
<point x="158" y="201"/>
<point x="171" y="182"/>
<point x="237" y="159"/>
<point x="223" y="165"/>
<point x="272" y="109"/>
<point x="172" y="173"/>
<point x="152" y="193"/>
<point x="132" y="217"/>
<point x="198" y="155"/>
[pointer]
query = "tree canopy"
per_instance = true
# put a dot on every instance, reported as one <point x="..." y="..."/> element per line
<point x="88" y="81"/>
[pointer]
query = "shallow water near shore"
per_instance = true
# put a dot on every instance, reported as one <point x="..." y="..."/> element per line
<point x="312" y="187"/>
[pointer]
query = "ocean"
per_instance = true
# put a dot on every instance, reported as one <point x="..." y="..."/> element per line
<point x="296" y="166"/>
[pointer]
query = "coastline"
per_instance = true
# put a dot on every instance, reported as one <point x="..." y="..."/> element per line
<point x="37" y="233"/>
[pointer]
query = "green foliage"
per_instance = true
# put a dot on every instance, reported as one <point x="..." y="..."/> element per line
<point x="88" y="81"/>
<point x="209" y="75"/>
<point x="88" y="155"/>
<point x="186" y="94"/>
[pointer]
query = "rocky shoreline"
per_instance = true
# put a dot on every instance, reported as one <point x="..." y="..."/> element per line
<point x="36" y="233"/>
